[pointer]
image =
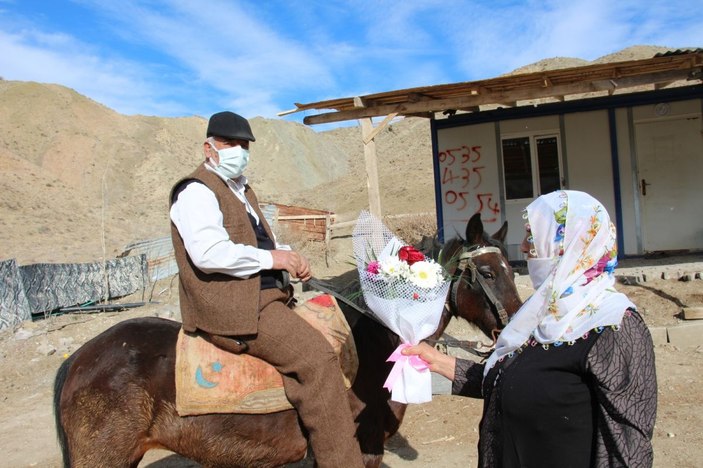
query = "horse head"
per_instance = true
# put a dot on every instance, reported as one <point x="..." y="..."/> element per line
<point x="483" y="290"/>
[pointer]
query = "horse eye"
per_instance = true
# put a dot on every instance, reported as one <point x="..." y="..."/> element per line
<point x="487" y="273"/>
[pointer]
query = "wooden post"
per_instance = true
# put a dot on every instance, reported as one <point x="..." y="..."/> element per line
<point x="371" y="167"/>
<point x="328" y="236"/>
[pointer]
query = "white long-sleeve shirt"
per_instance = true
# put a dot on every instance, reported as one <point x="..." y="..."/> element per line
<point x="199" y="221"/>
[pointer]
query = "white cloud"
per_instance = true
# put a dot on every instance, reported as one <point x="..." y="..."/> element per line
<point x="179" y="57"/>
<point x="502" y="36"/>
<point x="58" y="58"/>
<point x="227" y="50"/>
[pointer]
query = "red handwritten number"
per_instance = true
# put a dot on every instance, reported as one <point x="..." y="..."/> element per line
<point x="452" y="197"/>
<point x="490" y="206"/>
<point x="448" y="176"/>
<point x="477" y="153"/>
<point x="444" y="157"/>
<point x="466" y="176"/>
<point x="477" y="170"/>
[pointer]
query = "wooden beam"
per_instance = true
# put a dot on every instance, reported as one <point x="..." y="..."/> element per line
<point x="288" y="112"/>
<point x="487" y="97"/>
<point x="371" y="167"/>
<point x="379" y="127"/>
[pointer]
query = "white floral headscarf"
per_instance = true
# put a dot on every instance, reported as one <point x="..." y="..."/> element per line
<point x="574" y="243"/>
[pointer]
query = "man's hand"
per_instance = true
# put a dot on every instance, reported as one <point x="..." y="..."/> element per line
<point x="293" y="263"/>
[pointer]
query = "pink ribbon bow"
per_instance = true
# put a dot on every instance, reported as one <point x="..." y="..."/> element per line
<point x="416" y="362"/>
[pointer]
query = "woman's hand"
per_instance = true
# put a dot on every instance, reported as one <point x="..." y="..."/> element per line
<point x="438" y="361"/>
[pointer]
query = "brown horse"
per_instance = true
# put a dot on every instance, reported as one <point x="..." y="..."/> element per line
<point x="114" y="398"/>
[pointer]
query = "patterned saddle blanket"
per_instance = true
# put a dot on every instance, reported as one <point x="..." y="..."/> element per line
<point x="211" y="380"/>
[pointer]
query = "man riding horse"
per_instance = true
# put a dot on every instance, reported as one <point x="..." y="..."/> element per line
<point x="232" y="288"/>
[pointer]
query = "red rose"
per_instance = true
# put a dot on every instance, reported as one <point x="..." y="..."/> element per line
<point x="410" y="255"/>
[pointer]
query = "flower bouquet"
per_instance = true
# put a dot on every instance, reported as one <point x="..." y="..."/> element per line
<point x="406" y="292"/>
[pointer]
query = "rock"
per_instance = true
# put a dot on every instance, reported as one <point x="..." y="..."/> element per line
<point x="46" y="349"/>
<point x="630" y="279"/>
<point x="65" y="343"/>
<point x="23" y="334"/>
<point x="169" y="312"/>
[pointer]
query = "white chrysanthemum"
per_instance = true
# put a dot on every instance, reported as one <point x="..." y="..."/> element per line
<point x="425" y="274"/>
<point x="393" y="268"/>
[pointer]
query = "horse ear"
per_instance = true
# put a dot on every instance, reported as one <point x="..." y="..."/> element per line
<point x="474" y="229"/>
<point x="501" y="233"/>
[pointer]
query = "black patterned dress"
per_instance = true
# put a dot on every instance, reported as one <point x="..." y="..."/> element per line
<point x="589" y="403"/>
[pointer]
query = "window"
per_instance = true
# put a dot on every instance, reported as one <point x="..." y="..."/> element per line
<point x="531" y="166"/>
<point x="548" y="159"/>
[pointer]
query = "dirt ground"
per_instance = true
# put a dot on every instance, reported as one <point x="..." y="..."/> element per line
<point x="440" y="433"/>
<point x="77" y="187"/>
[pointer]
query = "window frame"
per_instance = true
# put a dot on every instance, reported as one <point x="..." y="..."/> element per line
<point x="532" y="137"/>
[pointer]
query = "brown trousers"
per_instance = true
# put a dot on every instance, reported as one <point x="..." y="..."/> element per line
<point x="311" y="375"/>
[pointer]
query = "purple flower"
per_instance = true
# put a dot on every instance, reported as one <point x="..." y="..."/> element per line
<point x="604" y="264"/>
<point x="373" y="267"/>
<point x="560" y="232"/>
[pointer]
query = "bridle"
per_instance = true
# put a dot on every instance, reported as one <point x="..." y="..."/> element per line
<point x="468" y="273"/>
<point x="475" y="280"/>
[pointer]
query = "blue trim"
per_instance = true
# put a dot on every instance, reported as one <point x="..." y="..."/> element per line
<point x="615" y="160"/>
<point x="437" y="185"/>
<point x="606" y="102"/>
<point x="609" y="103"/>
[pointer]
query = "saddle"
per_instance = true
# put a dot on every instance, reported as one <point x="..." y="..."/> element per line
<point x="212" y="380"/>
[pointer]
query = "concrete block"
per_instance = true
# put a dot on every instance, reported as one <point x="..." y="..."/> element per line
<point x="686" y="334"/>
<point x="659" y="335"/>
<point x="630" y="279"/>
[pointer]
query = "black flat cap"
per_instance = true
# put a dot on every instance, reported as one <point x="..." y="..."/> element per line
<point x="229" y="125"/>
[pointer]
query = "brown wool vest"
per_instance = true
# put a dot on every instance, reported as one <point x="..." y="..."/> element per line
<point x="213" y="302"/>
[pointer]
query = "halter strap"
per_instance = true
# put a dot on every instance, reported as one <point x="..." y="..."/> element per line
<point x="476" y="252"/>
<point x="466" y="262"/>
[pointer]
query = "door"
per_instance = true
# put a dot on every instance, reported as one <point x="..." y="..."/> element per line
<point x="531" y="167"/>
<point x="670" y="165"/>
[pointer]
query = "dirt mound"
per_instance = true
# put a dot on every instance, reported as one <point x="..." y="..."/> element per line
<point x="81" y="181"/>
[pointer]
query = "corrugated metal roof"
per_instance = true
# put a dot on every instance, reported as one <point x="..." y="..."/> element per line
<point x="678" y="52"/>
<point x="508" y="90"/>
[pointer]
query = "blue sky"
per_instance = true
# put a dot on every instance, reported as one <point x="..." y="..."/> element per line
<point x="174" y="58"/>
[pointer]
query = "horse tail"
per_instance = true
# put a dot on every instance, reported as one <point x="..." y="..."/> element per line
<point x="60" y="432"/>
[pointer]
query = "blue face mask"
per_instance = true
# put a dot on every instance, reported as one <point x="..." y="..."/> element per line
<point x="233" y="161"/>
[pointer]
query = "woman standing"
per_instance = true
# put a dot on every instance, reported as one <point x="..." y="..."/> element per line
<point x="572" y="380"/>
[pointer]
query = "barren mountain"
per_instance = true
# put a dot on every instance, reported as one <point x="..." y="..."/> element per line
<point x="80" y="181"/>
